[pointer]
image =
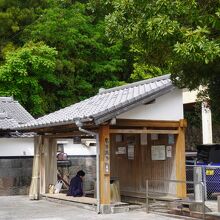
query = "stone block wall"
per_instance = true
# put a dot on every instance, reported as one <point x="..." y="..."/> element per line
<point x="15" y="175"/>
<point x="85" y="163"/>
<point x="16" y="172"/>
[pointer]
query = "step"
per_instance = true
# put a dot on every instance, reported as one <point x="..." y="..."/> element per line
<point x="119" y="209"/>
<point x="90" y="207"/>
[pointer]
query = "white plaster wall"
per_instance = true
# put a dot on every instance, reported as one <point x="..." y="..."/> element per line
<point x="25" y="147"/>
<point x="166" y="107"/>
<point x="77" y="149"/>
<point x="189" y="96"/>
<point x="16" y="146"/>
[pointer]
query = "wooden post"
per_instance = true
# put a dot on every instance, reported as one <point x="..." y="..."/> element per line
<point x="48" y="164"/>
<point x="180" y="160"/>
<point x="34" y="191"/>
<point x="43" y="166"/>
<point x="104" y="143"/>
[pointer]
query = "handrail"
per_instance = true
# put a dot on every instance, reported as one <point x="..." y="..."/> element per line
<point x="176" y="181"/>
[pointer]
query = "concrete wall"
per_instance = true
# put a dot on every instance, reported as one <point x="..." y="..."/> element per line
<point x="166" y="107"/>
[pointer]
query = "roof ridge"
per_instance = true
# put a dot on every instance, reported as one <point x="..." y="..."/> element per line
<point x="6" y="98"/>
<point x="130" y="85"/>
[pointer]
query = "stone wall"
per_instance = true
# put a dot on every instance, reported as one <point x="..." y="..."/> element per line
<point x="85" y="163"/>
<point x="16" y="172"/>
<point x="15" y="175"/>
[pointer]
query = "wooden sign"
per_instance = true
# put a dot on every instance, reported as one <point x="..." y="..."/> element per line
<point x="107" y="156"/>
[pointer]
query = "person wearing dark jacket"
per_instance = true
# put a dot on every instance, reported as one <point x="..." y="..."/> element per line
<point x="76" y="185"/>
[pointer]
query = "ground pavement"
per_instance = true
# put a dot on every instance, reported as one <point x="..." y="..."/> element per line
<point x="21" y="208"/>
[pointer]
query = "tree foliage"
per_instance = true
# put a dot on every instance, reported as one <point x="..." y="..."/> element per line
<point x="97" y="43"/>
<point x="85" y="59"/>
<point x="27" y="74"/>
<point x="177" y="37"/>
<point x="14" y="17"/>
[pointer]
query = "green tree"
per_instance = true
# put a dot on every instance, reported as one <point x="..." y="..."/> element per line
<point x="14" y="17"/>
<point x="177" y="37"/>
<point x="86" y="59"/>
<point x="28" y="75"/>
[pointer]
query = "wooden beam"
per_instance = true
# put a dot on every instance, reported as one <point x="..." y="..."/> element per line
<point x="183" y="123"/>
<point x="142" y="131"/>
<point x="65" y="134"/>
<point x="147" y="123"/>
<point x="180" y="162"/>
<point x="59" y="128"/>
<point x="104" y="144"/>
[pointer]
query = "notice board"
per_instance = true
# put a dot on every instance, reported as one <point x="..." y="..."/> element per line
<point x="158" y="152"/>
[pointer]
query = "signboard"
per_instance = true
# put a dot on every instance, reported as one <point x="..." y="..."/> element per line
<point x="169" y="151"/>
<point x="118" y="138"/>
<point x="130" y="152"/>
<point x="121" y="150"/>
<point x="171" y="139"/>
<point x="107" y="156"/>
<point x="158" y="152"/>
<point x="143" y="139"/>
<point x="154" y="137"/>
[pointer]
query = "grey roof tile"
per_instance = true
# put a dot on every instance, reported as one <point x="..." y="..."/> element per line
<point x="106" y="104"/>
<point x="7" y="123"/>
<point x="12" y="114"/>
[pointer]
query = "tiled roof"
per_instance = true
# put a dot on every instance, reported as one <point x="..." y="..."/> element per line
<point x="12" y="114"/>
<point x="107" y="103"/>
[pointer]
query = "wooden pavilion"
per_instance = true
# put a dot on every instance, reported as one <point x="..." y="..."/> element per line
<point x="139" y="129"/>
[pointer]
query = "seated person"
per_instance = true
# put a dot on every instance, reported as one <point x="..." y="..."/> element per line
<point x="76" y="185"/>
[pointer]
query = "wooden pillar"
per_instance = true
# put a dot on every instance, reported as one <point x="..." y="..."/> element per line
<point x="48" y="164"/>
<point x="35" y="181"/>
<point x="104" y="144"/>
<point x="180" y="160"/>
<point x="42" y="165"/>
